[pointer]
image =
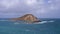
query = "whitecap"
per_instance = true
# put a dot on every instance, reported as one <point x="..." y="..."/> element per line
<point x="35" y="23"/>
<point x="41" y="22"/>
<point x="51" y="21"/>
<point x="16" y="23"/>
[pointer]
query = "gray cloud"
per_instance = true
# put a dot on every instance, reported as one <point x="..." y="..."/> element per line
<point x="40" y="8"/>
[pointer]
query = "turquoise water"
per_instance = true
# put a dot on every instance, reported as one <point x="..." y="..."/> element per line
<point x="50" y="26"/>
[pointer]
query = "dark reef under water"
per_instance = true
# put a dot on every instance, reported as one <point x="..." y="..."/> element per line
<point x="52" y="26"/>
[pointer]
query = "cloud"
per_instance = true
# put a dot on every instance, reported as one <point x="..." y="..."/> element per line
<point x="40" y="8"/>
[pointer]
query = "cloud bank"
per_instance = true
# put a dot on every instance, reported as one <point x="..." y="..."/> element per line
<point x="40" y="8"/>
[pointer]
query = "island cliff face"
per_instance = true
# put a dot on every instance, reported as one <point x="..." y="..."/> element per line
<point x="28" y="17"/>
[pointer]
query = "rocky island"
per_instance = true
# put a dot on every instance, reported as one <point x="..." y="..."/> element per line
<point x="28" y="17"/>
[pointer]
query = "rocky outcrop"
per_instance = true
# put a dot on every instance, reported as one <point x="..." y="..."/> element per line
<point x="28" y="17"/>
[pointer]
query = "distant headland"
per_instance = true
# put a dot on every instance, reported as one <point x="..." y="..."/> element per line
<point x="27" y="17"/>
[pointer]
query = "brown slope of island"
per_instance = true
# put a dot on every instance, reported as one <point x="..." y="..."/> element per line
<point x="28" y="17"/>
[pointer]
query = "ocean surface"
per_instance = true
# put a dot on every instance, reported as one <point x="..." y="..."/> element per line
<point x="47" y="26"/>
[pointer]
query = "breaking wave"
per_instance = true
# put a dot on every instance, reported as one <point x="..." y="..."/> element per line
<point x="51" y="21"/>
<point x="37" y="23"/>
<point x="45" y="22"/>
<point x="41" y="22"/>
<point x="16" y="23"/>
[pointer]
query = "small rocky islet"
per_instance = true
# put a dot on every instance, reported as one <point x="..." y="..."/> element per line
<point x="28" y="17"/>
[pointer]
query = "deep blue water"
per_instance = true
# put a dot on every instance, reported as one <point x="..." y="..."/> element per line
<point x="52" y="26"/>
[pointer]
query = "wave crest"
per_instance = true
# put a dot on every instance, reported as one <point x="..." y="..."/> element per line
<point x="36" y="23"/>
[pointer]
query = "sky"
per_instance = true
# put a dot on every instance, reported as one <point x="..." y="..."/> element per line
<point x="39" y="8"/>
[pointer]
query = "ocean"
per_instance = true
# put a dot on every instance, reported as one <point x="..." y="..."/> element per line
<point x="47" y="26"/>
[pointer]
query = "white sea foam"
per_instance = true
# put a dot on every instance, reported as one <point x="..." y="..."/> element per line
<point x="33" y="23"/>
<point x="16" y="23"/>
<point x="51" y="21"/>
<point x="44" y="22"/>
<point x="41" y="22"/>
<point x="36" y="23"/>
